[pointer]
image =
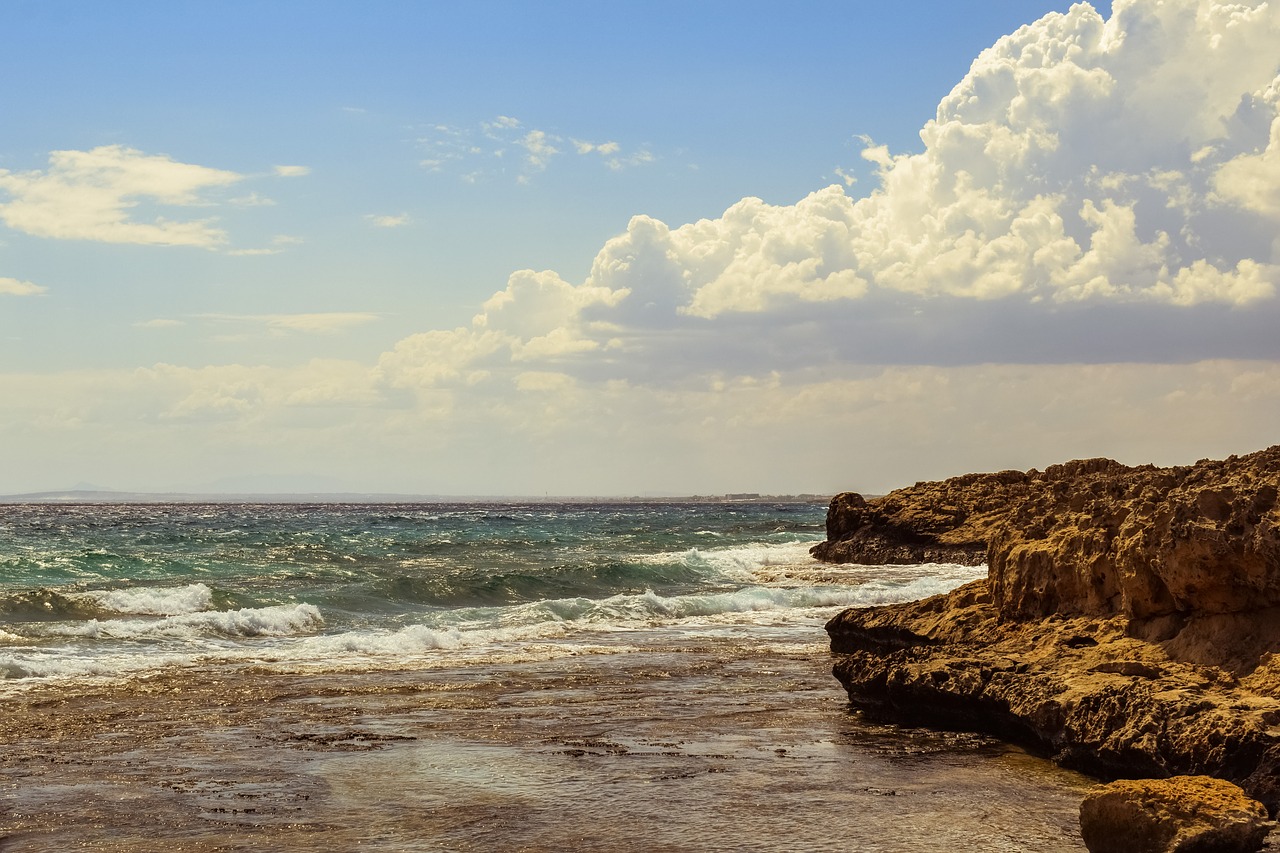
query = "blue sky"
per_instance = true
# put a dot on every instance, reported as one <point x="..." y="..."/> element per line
<point x="500" y="248"/>
<point x="728" y="99"/>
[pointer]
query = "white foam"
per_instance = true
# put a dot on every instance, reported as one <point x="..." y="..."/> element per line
<point x="153" y="601"/>
<point x="788" y="603"/>
<point x="421" y="638"/>
<point x="740" y="562"/>
<point x="902" y="583"/>
<point x="277" y="621"/>
<point x="757" y="598"/>
<point x="58" y="664"/>
<point x="575" y="620"/>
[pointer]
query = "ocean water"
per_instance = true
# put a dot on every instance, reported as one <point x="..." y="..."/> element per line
<point x="108" y="589"/>
<point x="471" y="677"/>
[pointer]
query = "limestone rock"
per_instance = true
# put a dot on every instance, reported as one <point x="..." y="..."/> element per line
<point x="1130" y="623"/>
<point x="948" y="521"/>
<point x="1178" y="815"/>
<point x="1090" y="536"/>
<point x="1082" y="690"/>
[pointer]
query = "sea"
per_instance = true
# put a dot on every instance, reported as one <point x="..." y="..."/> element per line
<point x="555" y="667"/>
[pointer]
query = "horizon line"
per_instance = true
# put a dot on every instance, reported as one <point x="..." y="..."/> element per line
<point x="73" y="496"/>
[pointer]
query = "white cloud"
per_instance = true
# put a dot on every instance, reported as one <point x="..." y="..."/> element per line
<point x="501" y="123"/>
<point x="160" y="323"/>
<point x="441" y="357"/>
<point x="253" y="200"/>
<point x="1252" y="179"/>
<point x="388" y="220"/>
<point x="14" y="287"/>
<point x="1080" y="163"/>
<point x="846" y="177"/>
<point x="313" y="324"/>
<point x="543" y="380"/>
<point x="1079" y="160"/>
<point x="642" y="157"/>
<point x="888" y="426"/>
<point x="279" y="243"/>
<point x="91" y="195"/>
<point x="539" y="148"/>
<point x="292" y="171"/>
<point x="251" y="395"/>
<point x="604" y="149"/>
<point x="538" y="318"/>
<point x="462" y="148"/>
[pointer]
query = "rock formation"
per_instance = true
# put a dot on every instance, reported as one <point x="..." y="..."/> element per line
<point x="1178" y="815"/>
<point x="1129" y="625"/>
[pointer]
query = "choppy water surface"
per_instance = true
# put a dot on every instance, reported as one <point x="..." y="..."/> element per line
<point x="108" y="589"/>
<point x="468" y="677"/>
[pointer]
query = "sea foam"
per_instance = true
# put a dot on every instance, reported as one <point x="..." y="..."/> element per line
<point x="276" y="621"/>
<point x="154" y="601"/>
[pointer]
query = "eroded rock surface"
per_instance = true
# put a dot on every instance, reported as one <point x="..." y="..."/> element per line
<point x="1129" y="625"/>
<point x="1178" y="815"/>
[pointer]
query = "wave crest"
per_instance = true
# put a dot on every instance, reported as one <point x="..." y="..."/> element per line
<point x="154" y="601"/>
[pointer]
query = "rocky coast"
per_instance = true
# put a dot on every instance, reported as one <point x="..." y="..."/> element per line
<point x="1129" y="625"/>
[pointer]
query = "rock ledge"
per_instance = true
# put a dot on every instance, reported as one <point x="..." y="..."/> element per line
<point x="1129" y="626"/>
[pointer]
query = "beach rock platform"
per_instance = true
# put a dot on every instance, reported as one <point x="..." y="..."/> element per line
<point x="1129" y="625"/>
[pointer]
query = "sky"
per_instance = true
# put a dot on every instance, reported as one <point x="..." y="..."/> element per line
<point x="577" y="248"/>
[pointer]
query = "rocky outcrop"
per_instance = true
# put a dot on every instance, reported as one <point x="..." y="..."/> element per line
<point x="1179" y="815"/>
<point x="944" y="522"/>
<point x="1129" y="626"/>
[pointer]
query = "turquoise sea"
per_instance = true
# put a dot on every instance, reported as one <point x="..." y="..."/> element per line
<point x="106" y="589"/>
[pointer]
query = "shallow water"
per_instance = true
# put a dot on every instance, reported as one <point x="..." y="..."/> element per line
<point x="704" y="744"/>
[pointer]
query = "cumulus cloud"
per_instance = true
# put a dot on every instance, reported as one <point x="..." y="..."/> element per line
<point x="292" y="171"/>
<point x="1080" y="160"/>
<point x="15" y="287"/>
<point x="539" y="318"/>
<point x="1091" y="189"/>
<point x="92" y="195"/>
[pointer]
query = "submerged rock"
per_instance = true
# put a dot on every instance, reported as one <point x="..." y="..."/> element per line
<point x="1178" y="815"/>
<point x="1129" y="625"/>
